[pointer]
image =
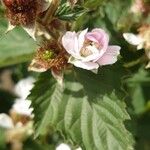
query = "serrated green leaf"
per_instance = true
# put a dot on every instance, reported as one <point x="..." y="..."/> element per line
<point x="91" y="123"/>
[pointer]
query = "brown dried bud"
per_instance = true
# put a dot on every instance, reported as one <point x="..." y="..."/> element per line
<point x="49" y="56"/>
<point x="21" y="12"/>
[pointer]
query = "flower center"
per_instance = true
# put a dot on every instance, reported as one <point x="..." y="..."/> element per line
<point x="48" y="54"/>
<point x="89" y="48"/>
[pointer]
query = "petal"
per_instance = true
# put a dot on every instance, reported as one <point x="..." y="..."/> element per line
<point x="70" y="43"/>
<point x="63" y="146"/>
<point x="31" y="30"/>
<point x="95" y="54"/>
<point x="90" y="57"/>
<point x="140" y="46"/>
<point x="10" y="27"/>
<point x="22" y="107"/>
<point x="95" y="71"/>
<point x="81" y="38"/>
<point x="110" y="56"/>
<point x="148" y="65"/>
<point x="23" y="87"/>
<point x="6" y="121"/>
<point x="98" y="34"/>
<point x="132" y="38"/>
<point x="84" y="65"/>
<point x="37" y="67"/>
<point x="101" y="37"/>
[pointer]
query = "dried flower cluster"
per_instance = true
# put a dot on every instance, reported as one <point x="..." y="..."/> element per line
<point x="50" y="56"/>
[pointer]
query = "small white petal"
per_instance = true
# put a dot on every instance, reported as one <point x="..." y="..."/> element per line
<point x="63" y="147"/>
<point x="81" y="38"/>
<point x="132" y="38"/>
<point x="23" y="87"/>
<point x="95" y="71"/>
<point x="35" y="66"/>
<point x="22" y="107"/>
<point x="37" y="69"/>
<point x="31" y="30"/>
<point x="6" y="121"/>
<point x="84" y="65"/>
<point x="10" y="27"/>
<point x="148" y="65"/>
<point x="140" y="46"/>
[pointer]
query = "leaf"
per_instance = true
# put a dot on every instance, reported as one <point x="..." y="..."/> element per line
<point x="138" y="88"/>
<point x="91" y="123"/>
<point x="15" y="47"/>
<point x="65" y="12"/>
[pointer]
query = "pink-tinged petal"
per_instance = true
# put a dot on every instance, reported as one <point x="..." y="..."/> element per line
<point x="105" y="38"/>
<point x="84" y="65"/>
<point x="70" y="43"/>
<point x="92" y="37"/>
<point x="100" y="36"/>
<point x="110" y="56"/>
<point x="81" y="38"/>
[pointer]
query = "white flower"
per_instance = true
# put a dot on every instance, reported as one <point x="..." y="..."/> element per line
<point x="134" y="39"/>
<point x="22" y="107"/>
<point x="22" y="89"/>
<point x="89" y="50"/>
<point x="6" y="121"/>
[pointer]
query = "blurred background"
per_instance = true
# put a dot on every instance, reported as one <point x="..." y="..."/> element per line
<point x="17" y="50"/>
